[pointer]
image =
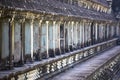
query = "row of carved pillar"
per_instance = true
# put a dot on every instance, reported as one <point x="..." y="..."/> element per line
<point x="25" y="40"/>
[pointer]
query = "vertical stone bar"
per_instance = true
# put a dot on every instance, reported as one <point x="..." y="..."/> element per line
<point x="72" y="34"/>
<point x="100" y="32"/>
<point x="64" y="24"/>
<point x="11" y="42"/>
<point x="76" y="29"/>
<point x="62" y="37"/>
<point x="105" y="32"/>
<point x="32" y="39"/>
<point x="108" y="31"/>
<point x="97" y="32"/>
<point x="83" y="36"/>
<point x="96" y="35"/>
<point x="66" y="37"/>
<point x="78" y="35"/>
<point x="90" y="33"/>
<point x="85" y="32"/>
<point x="22" y="41"/>
<point x="47" y="22"/>
<point x="39" y="51"/>
<point x="117" y="30"/>
<point x="69" y="35"/>
<point x="54" y="35"/>
<point x="0" y="44"/>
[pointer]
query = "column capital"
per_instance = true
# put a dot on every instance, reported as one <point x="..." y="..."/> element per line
<point x="54" y="22"/>
<point x="47" y="22"/>
<point x="73" y="22"/>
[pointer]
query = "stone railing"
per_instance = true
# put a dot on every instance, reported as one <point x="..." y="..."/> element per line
<point x="107" y="71"/>
<point x="49" y="67"/>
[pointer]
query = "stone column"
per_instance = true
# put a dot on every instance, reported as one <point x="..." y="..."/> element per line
<point x="11" y="42"/>
<point x="83" y="35"/>
<point x="72" y="34"/>
<point x="69" y="36"/>
<point x="47" y="22"/>
<point x="39" y="51"/>
<point x="96" y="33"/>
<point x="54" y="33"/>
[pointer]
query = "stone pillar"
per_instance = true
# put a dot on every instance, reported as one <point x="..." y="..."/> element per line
<point x="11" y="42"/>
<point x="72" y="34"/>
<point x="0" y="45"/>
<point x="92" y="36"/>
<point x="22" y="41"/>
<point x="54" y="35"/>
<point x="66" y="37"/>
<point x="105" y="32"/>
<point x="29" y="40"/>
<point x="39" y="53"/>
<point x="47" y="24"/>
<point x="69" y="36"/>
<point x="31" y="27"/>
<point x="78" y="35"/>
<point x="83" y="35"/>
<point x="76" y="29"/>
<point x="96" y="33"/>
<point x="90" y="33"/>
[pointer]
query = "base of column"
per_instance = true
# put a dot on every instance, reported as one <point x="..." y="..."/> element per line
<point x="19" y="63"/>
<point x="28" y="58"/>
<point x="62" y="50"/>
<point x="57" y="51"/>
<point x="71" y="48"/>
<point x="5" y="65"/>
<point x="44" y="55"/>
<point x="51" y="53"/>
